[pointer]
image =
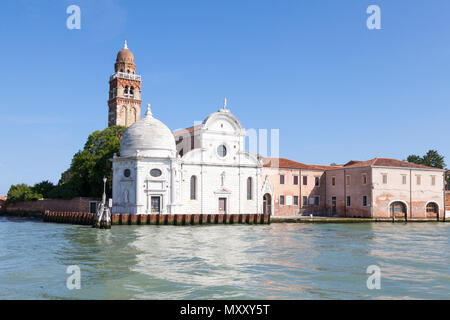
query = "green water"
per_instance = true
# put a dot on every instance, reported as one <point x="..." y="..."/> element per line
<point x="277" y="261"/>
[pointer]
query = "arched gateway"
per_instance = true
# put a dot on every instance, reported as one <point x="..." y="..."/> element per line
<point x="267" y="204"/>
<point x="398" y="209"/>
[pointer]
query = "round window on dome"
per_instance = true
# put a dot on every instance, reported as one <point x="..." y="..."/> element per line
<point x="155" y="173"/>
<point x="222" y="151"/>
<point x="127" y="173"/>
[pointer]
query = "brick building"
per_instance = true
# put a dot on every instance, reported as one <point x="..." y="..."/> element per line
<point x="378" y="188"/>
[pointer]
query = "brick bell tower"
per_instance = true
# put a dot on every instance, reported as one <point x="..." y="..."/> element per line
<point x="124" y="102"/>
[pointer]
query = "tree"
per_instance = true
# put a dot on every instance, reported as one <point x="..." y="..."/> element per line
<point x="431" y="159"/>
<point x="434" y="159"/>
<point x="44" y="188"/>
<point x="21" y="192"/>
<point x="90" y="165"/>
<point x="414" y="159"/>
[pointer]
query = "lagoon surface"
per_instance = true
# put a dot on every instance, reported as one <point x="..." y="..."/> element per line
<point x="277" y="261"/>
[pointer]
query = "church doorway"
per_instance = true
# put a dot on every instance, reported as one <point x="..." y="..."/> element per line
<point x="156" y="204"/>
<point x="267" y="204"/>
<point x="222" y="205"/>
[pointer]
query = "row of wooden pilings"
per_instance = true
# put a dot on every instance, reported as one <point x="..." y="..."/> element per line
<point x="158" y="219"/>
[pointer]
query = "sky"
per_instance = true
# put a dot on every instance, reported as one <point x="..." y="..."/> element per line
<point x="336" y="90"/>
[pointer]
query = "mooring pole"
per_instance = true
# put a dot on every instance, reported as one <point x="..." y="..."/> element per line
<point x="103" y="218"/>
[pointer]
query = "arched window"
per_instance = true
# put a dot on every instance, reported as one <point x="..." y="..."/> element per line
<point x="249" y="188"/>
<point x="126" y="90"/>
<point x="131" y="90"/>
<point x="193" y="187"/>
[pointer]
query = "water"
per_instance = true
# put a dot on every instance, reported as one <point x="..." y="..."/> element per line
<point x="277" y="261"/>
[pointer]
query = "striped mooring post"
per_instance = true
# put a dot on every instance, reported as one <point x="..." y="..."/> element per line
<point x="103" y="218"/>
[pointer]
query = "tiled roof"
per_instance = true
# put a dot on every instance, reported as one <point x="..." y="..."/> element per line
<point x="385" y="162"/>
<point x="380" y="162"/>
<point x="187" y="130"/>
<point x="284" y="163"/>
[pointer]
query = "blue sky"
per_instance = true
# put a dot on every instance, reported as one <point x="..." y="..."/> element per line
<point x="311" y="68"/>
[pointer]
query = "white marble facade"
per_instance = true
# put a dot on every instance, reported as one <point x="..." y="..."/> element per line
<point x="201" y="170"/>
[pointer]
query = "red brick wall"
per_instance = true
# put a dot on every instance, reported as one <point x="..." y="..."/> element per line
<point x="447" y="200"/>
<point x="73" y="205"/>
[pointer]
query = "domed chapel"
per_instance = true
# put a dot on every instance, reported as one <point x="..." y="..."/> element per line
<point x="199" y="170"/>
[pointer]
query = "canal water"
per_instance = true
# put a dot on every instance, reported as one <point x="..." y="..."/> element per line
<point x="277" y="261"/>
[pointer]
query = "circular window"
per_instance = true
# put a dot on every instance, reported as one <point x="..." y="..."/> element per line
<point x="222" y="151"/>
<point x="127" y="173"/>
<point x="155" y="173"/>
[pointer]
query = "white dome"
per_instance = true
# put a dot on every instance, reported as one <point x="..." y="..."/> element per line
<point x="148" y="137"/>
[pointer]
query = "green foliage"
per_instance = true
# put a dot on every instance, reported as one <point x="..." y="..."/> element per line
<point x="431" y="159"/>
<point x="22" y="192"/>
<point x="43" y="188"/>
<point x="90" y="165"/>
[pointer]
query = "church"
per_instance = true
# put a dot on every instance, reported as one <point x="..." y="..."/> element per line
<point x="200" y="170"/>
<point x="205" y="169"/>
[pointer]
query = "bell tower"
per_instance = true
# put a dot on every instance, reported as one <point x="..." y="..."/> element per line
<point x="124" y="103"/>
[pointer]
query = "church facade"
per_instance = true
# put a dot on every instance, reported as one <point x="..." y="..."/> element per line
<point x="212" y="175"/>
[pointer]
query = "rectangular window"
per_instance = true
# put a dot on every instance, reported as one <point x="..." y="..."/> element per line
<point x="364" y="178"/>
<point x="289" y="200"/>
<point x="333" y="181"/>
<point x="419" y="180"/>
<point x="348" y="201"/>
<point x="295" y="180"/>
<point x="433" y="180"/>
<point x="317" y="201"/>
<point x="282" y="200"/>
<point x="305" y="200"/>
<point x="403" y="178"/>
<point x="305" y="180"/>
<point x="364" y="201"/>
<point x="347" y="180"/>
<point x="317" y="181"/>
<point x="281" y="178"/>
<point x="384" y="178"/>
<point x="295" y="200"/>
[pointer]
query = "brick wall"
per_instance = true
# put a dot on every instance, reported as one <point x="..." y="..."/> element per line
<point x="39" y="206"/>
<point x="447" y="200"/>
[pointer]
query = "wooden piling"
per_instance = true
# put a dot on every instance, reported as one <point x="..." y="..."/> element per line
<point x="133" y="219"/>
<point x="124" y="218"/>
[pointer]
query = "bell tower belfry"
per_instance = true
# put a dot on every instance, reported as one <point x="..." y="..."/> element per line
<point x="124" y="103"/>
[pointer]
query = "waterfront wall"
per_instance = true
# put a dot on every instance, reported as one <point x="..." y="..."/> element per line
<point x="83" y="218"/>
<point x="58" y="205"/>
<point x="2" y="206"/>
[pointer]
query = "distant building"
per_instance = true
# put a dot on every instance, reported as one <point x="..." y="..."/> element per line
<point x="378" y="188"/>
<point x="2" y="204"/>
<point x="297" y="187"/>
